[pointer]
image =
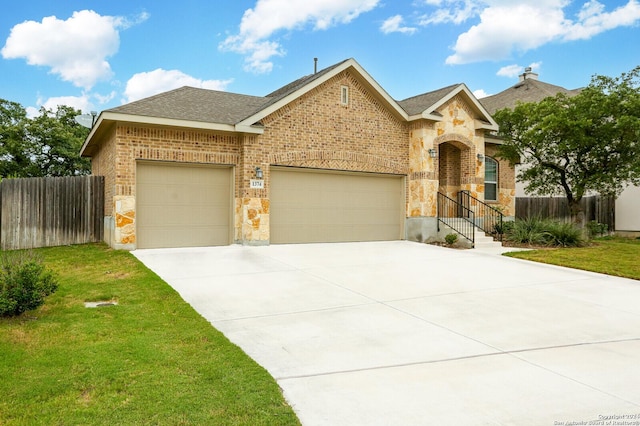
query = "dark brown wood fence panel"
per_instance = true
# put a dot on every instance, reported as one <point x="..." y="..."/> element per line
<point x="44" y="212"/>
<point x="598" y="208"/>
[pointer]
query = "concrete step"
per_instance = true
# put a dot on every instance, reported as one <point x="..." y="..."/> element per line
<point x="483" y="241"/>
<point x="487" y="244"/>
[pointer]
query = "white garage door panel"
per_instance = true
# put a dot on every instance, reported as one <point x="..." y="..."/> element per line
<point x="317" y="206"/>
<point x="182" y="205"/>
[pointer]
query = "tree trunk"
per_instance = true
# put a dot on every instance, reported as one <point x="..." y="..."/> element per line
<point x="577" y="213"/>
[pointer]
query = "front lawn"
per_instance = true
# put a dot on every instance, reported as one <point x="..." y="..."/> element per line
<point x="612" y="256"/>
<point x="150" y="359"/>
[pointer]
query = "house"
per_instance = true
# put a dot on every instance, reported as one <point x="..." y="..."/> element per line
<point x="330" y="157"/>
<point x="530" y="89"/>
<point x="627" y="208"/>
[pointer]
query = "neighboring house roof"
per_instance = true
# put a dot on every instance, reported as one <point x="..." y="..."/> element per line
<point x="526" y="90"/>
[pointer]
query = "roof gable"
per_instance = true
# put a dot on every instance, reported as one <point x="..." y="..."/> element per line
<point x="418" y="104"/>
<point x="298" y="88"/>
<point x="425" y="106"/>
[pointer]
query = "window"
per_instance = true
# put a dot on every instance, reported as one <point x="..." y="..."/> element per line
<point x="344" y="95"/>
<point x="490" y="179"/>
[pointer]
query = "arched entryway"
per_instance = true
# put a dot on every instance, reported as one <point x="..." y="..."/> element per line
<point x="453" y="168"/>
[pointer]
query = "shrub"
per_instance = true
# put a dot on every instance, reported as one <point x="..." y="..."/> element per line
<point x="596" y="228"/>
<point x="527" y="231"/>
<point x="564" y="234"/>
<point x="24" y="283"/>
<point x="451" y="239"/>
<point x="539" y="231"/>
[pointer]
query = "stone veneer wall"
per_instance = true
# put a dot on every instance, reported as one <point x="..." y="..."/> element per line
<point x="457" y="143"/>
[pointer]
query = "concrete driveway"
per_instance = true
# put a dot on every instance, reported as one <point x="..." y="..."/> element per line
<point x="400" y="333"/>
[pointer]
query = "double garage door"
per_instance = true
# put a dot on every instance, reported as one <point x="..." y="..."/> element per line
<point x="311" y="206"/>
<point x="190" y="206"/>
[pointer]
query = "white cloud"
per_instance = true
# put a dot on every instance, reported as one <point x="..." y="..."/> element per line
<point x="32" y="112"/>
<point x="515" y="70"/>
<point x="593" y="20"/>
<point x="508" y="26"/>
<point x="480" y="93"/>
<point x="510" y="71"/>
<point x="452" y="11"/>
<point x="75" y="49"/>
<point x="535" y="66"/>
<point x="503" y="29"/>
<point x="394" y="25"/>
<point x="103" y="99"/>
<point x="86" y="102"/>
<point x="268" y="17"/>
<point x="82" y="103"/>
<point x="150" y="83"/>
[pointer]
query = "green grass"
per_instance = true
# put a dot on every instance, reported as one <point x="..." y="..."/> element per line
<point x="611" y="256"/>
<point x="149" y="360"/>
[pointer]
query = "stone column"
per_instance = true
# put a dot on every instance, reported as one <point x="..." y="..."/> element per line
<point x="423" y="184"/>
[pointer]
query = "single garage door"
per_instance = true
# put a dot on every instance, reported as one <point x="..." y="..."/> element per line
<point x="309" y="206"/>
<point x="182" y="205"/>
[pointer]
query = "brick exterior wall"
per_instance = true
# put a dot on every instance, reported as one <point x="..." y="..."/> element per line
<point x="103" y="163"/>
<point x="171" y="145"/>
<point x="316" y="131"/>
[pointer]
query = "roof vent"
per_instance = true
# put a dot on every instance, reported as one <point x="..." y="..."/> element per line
<point x="315" y="65"/>
<point x="528" y="75"/>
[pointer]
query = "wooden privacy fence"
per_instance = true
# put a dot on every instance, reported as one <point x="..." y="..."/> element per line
<point x="598" y="208"/>
<point x="43" y="212"/>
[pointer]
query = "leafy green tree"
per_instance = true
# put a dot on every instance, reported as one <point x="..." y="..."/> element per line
<point x="47" y="145"/>
<point x="578" y="144"/>
<point x="57" y="139"/>
<point x="16" y="151"/>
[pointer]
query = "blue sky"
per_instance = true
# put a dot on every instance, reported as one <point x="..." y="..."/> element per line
<point x="96" y="55"/>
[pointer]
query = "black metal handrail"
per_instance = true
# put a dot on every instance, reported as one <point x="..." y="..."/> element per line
<point x="456" y="216"/>
<point x="488" y="218"/>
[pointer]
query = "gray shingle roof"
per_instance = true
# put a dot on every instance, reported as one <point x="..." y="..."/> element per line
<point x="418" y="104"/>
<point x="192" y="104"/>
<point x="529" y="90"/>
<point x="211" y="106"/>
<point x="301" y="82"/>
